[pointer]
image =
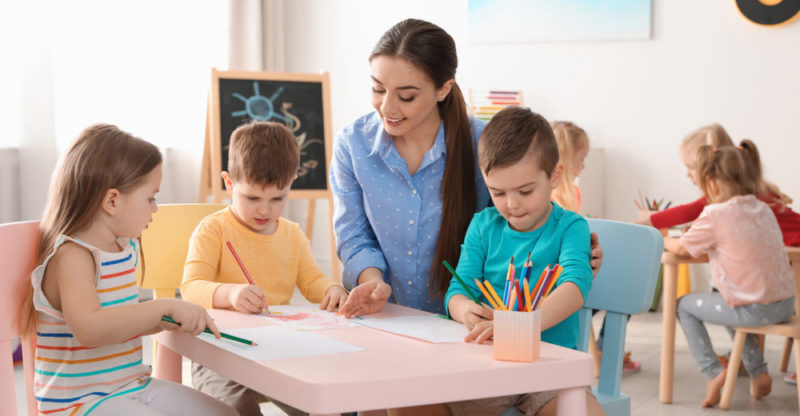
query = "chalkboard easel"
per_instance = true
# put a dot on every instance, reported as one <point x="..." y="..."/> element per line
<point x="299" y="101"/>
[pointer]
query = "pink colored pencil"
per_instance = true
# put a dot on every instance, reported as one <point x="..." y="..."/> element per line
<point x="241" y="265"/>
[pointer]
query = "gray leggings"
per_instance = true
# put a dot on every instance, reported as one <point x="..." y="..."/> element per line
<point x="696" y="308"/>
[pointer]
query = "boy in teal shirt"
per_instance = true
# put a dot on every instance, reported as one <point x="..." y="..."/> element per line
<point x="518" y="157"/>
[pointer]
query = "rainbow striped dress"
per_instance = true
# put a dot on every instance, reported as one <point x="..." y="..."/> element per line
<point x="71" y="379"/>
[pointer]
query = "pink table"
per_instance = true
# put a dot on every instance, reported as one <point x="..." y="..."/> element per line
<point x="392" y="371"/>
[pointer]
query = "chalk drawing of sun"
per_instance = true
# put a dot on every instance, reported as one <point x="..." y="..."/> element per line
<point x="259" y="107"/>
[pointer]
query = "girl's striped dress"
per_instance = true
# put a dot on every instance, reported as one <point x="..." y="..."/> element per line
<point x="71" y="379"/>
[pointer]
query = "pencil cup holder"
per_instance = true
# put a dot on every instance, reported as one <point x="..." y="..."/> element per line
<point x="517" y="335"/>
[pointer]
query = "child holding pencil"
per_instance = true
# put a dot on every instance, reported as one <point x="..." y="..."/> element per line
<point x="246" y="256"/>
<point x="748" y="265"/>
<point x="84" y="302"/>
<point x="518" y="157"/>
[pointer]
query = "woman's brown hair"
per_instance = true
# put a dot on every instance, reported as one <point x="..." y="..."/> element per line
<point x="432" y="50"/>
<point x="101" y="158"/>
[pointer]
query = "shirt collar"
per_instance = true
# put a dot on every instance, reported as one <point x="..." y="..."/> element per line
<point x="382" y="143"/>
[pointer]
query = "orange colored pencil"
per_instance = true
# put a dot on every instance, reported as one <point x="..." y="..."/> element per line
<point x="494" y="294"/>
<point x="526" y="290"/>
<point x="512" y="299"/>
<point x="486" y="294"/>
<point x="541" y="279"/>
<point x="552" y="283"/>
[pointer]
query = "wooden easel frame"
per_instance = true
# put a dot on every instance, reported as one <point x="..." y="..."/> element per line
<point x="211" y="183"/>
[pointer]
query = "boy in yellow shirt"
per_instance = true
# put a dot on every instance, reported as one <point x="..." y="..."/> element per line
<point x="263" y="160"/>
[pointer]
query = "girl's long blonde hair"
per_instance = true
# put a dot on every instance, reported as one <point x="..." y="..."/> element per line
<point x="570" y="139"/>
<point x="101" y="158"/>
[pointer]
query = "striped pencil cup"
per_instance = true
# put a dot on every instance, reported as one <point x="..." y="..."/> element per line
<point x="517" y="335"/>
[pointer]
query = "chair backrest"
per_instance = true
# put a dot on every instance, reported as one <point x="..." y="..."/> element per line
<point x="165" y="243"/>
<point x="623" y="286"/>
<point x="19" y="244"/>
<point x="631" y="259"/>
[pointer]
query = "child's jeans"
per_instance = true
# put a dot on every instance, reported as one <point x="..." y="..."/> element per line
<point x="696" y="308"/>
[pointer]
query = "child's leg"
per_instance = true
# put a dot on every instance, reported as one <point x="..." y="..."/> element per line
<point x="243" y="399"/>
<point x="693" y="309"/>
<point x="163" y="398"/>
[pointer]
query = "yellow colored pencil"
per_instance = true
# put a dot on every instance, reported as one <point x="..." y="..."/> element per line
<point x="486" y="294"/>
<point x="526" y="291"/>
<point x="497" y="300"/>
<point x="512" y="299"/>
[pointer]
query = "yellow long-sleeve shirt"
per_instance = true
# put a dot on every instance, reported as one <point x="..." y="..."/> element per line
<point x="277" y="263"/>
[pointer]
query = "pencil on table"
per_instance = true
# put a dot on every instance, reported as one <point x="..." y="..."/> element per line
<point x="208" y="331"/>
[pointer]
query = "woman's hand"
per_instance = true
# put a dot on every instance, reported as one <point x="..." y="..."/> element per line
<point x="366" y="298"/>
<point x="596" y="255"/>
<point x="335" y="297"/>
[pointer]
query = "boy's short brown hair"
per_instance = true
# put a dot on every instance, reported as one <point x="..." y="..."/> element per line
<point x="263" y="153"/>
<point x="514" y="133"/>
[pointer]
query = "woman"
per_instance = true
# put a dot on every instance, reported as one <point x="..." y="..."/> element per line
<point x="396" y="170"/>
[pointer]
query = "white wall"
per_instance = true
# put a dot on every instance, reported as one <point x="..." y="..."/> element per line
<point x="636" y="99"/>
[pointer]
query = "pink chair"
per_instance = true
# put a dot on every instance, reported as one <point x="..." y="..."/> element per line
<point x="18" y="245"/>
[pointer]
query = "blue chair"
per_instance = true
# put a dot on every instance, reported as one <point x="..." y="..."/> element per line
<point x="623" y="287"/>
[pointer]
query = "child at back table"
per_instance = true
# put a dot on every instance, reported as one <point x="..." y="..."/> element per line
<point x="518" y="157"/>
<point x="748" y="265"/>
<point x="88" y="318"/>
<point x="263" y="160"/>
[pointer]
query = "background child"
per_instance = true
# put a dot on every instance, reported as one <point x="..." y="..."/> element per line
<point x="518" y="157"/>
<point x="714" y="135"/>
<point x="263" y="161"/>
<point x="89" y="321"/>
<point x="573" y="146"/>
<point x="748" y="264"/>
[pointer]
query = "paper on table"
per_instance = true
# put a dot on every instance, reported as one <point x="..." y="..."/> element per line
<point x="431" y="328"/>
<point x="307" y="317"/>
<point x="275" y="342"/>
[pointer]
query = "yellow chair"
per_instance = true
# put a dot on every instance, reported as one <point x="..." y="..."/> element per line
<point x="165" y="244"/>
<point x="790" y="329"/>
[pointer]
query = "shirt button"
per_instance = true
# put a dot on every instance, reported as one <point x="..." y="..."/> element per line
<point x="409" y="283"/>
<point x="409" y="252"/>
<point x="414" y="191"/>
<point x="411" y="222"/>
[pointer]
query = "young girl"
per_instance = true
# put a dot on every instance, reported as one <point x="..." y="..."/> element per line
<point x="748" y="264"/>
<point x="715" y="135"/>
<point x="88" y="319"/>
<point x="573" y="146"/>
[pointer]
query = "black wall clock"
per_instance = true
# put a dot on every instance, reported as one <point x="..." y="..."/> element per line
<point x="769" y="12"/>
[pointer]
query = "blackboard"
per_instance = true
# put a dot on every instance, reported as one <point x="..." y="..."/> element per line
<point x="299" y="101"/>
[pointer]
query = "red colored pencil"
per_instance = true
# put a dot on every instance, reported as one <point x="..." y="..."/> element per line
<point x="241" y="265"/>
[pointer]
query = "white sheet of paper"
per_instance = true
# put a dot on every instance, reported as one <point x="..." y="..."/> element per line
<point x="431" y="328"/>
<point x="307" y="317"/>
<point x="275" y="342"/>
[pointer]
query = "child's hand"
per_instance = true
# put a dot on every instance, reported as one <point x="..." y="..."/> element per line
<point x="192" y="318"/>
<point x="482" y="332"/>
<point x="247" y="298"/>
<point x="368" y="297"/>
<point x="474" y="314"/>
<point x="335" y="297"/>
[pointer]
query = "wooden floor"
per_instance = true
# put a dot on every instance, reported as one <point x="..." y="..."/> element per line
<point x="644" y="340"/>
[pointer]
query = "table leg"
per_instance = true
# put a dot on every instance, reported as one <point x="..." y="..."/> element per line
<point x="668" y="305"/>
<point x="571" y="402"/>
<point x="167" y="365"/>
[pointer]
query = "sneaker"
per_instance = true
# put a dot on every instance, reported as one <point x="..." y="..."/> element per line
<point x="630" y="366"/>
<point x="790" y="379"/>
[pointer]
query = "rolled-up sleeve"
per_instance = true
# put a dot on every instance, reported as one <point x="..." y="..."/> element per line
<point x="356" y="243"/>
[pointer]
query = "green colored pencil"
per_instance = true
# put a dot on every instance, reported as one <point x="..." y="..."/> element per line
<point x="208" y="331"/>
<point x="446" y="264"/>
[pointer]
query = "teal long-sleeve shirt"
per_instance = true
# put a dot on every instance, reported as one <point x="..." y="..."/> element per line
<point x="490" y="243"/>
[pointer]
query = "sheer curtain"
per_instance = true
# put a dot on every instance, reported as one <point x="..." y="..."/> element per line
<point x="142" y="65"/>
